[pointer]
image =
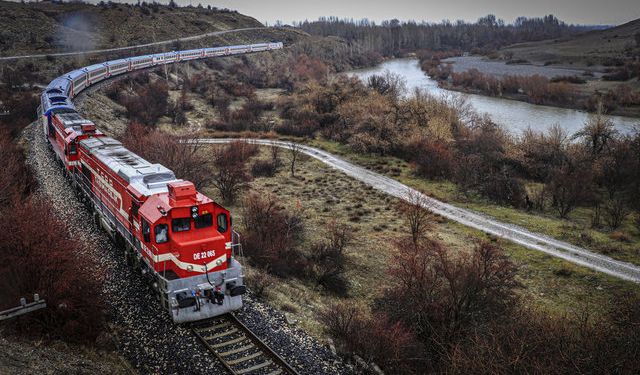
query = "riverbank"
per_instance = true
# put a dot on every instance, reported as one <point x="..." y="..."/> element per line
<point x="630" y="112"/>
<point x="515" y="116"/>
<point x="550" y="85"/>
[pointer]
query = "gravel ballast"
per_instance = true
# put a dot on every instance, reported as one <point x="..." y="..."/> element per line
<point x="145" y="334"/>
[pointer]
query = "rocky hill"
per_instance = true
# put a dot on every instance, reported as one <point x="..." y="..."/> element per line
<point x="55" y="27"/>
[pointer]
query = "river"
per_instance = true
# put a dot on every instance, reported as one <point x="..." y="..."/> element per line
<point x="512" y="115"/>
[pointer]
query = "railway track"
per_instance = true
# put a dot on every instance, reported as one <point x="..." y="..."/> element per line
<point x="239" y="349"/>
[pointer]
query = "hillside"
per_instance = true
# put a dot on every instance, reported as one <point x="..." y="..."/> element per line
<point x="48" y="27"/>
<point x="598" y="47"/>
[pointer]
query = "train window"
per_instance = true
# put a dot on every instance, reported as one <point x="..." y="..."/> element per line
<point x="204" y="221"/>
<point x="73" y="149"/>
<point x="181" y="225"/>
<point x="222" y="223"/>
<point x="146" y="231"/>
<point x="162" y="233"/>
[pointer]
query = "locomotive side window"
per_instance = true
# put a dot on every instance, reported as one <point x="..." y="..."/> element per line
<point x="162" y="233"/>
<point x="222" y="223"/>
<point x="181" y="225"/>
<point x="204" y="221"/>
<point x="73" y="149"/>
<point x="146" y="231"/>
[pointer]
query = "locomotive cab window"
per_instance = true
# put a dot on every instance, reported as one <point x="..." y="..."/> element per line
<point x="146" y="231"/>
<point x="162" y="233"/>
<point x="73" y="149"/>
<point x="181" y="225"/>
<point x="222" y="223"/>
<point x="204" y="221"/>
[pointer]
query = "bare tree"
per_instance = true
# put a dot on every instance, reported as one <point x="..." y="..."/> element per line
<point x="597" y="134"/>
<point x="416" y="214"/>
<point x="295" y="151"/>
<point x="231" y="176"/>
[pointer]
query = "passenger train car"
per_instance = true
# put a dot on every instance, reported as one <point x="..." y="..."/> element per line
<point x="181" y="240"/>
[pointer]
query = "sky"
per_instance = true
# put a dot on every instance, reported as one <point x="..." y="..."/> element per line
<point x="601" y="12"/>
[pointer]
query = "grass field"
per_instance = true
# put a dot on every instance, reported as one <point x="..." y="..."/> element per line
<point x="325" y="194"/>
<point x="622" y="244"/>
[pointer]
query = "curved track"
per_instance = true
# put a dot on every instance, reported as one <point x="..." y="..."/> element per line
<point x="115" y="49"/>
<point x="463" y="216"/>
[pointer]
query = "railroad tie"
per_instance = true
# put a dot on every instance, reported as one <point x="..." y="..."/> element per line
<point x="230" y="342"/>
<point x="238" y="350"/>
<point x="254" y="368"/>
<point x="222" y="334"/>
<point x="244" y="359"/>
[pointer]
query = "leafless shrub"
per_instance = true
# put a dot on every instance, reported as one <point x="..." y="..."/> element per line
<point x="186" y="158"/>
<point x="271" y="236"/>
<point x="616" y="210"/>
<point x="375" y="338"/>
<point x="231" y="176"/>
<point x="260" y="282"/>
<point x="327" y="258"/>
<point x="295" y="152"/>
<point x="263" y="168"/>
<point x="416" y="214"/>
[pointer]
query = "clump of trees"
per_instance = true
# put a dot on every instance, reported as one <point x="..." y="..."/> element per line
<point x="43" y="259"/>
<point x="393" y="37"/>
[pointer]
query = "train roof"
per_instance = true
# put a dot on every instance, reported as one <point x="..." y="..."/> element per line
<point x="73" y="120"/>
<point x="75" y="73"/>
<point x="140" y="57"/>
<point x="94" y="66"/>
<point x="145" y="177"/>
<point x="118" y="61"/>
<point x="60" y="83"/>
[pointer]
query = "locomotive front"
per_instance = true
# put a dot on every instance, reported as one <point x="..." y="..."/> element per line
<point x="188" y="239"/>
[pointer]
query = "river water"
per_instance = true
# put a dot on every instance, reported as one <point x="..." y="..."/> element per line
<point x="512" y="115"/>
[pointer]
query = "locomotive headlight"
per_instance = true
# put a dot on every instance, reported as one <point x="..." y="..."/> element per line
<point x="189" y="268"/>
<point x="194" y="212"/>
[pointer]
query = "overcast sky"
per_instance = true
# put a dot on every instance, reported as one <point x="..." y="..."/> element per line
<point x="609" y="12"/>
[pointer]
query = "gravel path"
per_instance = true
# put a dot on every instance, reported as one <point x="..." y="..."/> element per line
<point x="466" y="217"/>
<point x="147" y="337"/>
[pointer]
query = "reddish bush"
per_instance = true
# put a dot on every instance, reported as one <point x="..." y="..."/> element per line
<point x="448" y="296"/>
<point x="40" y="257"/>
<point x="375" y="338"/>
<point x="231" y="176"/>
<point x="263" y="168"/>
<point x="16" y="180"/>
<point x="435" y="160"/>
<point x="270" y="236"/>
<point x="148" y="103"/>
<point x="186" y="159"/>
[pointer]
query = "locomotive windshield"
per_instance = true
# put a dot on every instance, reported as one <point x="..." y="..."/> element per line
<point x="162" y="233"/>
<point x="181" y="225"/>
<point x="204" y="221"/>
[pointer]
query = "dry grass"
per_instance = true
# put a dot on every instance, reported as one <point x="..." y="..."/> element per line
<point x="324" y="194"/>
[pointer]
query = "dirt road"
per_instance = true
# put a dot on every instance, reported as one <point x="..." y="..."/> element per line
<point x="466" y="217"/>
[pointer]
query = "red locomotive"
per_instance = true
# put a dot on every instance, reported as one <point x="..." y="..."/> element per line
<point x="180" y="239"/>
